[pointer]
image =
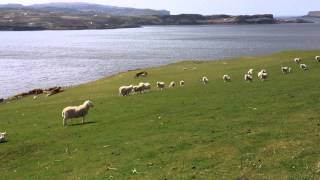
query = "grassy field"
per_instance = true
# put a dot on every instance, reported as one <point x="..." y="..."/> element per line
<point x="237" y="130"/>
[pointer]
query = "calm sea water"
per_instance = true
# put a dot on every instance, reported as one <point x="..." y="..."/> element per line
<point x="42" y="59"/>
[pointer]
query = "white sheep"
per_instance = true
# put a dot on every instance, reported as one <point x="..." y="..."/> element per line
<point x="250" y="72"/>
<point x="248" y="77"/>
<point x="205" y="80"/>
<point x="286" y="70"/>
<point x="146" y="86"/>
<point x="139" y="88"/>
<point x="3" y="137"/>
<point x="161" y="85"/>
<point x="303" y="66"/>
<point x="317" y="58"/>
<point x="226" y="78"/>
<point x="71" y="112"/>
<point x="263" y="75"/>
<point x="172" y="84"/>
<point x="125" y="90"/>
<point x="182" y="83"/>
<point x="297" y="60"/>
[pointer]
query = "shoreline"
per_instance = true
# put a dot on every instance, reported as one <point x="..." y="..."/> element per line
<point x="65" y="87"/>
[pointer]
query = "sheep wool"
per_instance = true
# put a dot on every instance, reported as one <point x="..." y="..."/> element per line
<point x="71" y="112"/>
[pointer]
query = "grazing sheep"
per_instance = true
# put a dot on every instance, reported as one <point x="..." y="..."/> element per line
<point x="263" y="75"/>
<point x="172" y="84"/>
<point x="161" y="85"/>
<point x="71" y="112"/>
<point x="139" y="88"/>
<point x="250" y="72"/>
<point x="317" y="58"/>
<point x="3" y="137"/>
<point x="205" y="80"/>
<point x="181" y="83"/>
<point x="304" y="67"/>
<point x="226" y="78"/>
<point x="125" y="90"/>
<point x="248" y="77"/>
<point x="146" y="86"/>
<point x="297" y="60"/>
<point x="286" y="70"/>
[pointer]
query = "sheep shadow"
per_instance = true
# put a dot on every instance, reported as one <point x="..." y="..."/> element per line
<point x="85" y="123"/>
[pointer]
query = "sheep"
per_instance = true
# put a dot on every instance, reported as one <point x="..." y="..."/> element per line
<point x="172" y="84"/>
<point x="141" y="74"/>
<point x="303" y="66"/>
<point x="125" y="90"/>
<point x="3" y="137"/>
<point x="248" y="77"/>
<point x="263" y="75"/>
<point x="139" y="88"/>
<point x="226" y="78"/>
<point x="146" y="86"/>
<point x="297" y="60"/>
<point x="317" y="58"/>
<point x="250" y="72"/>
<point x="286" y="70"/>
<point x="161" y="85"/>
<point x="182" y="83"/>
<point x="71" y="112"/>
<point x="205" y="80"/>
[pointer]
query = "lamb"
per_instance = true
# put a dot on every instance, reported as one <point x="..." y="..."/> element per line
<point x="286" y="70"/>
<point x="172" y="84"/>
<point x="297" y="60"/>
<point x="263" y="75"/>
<point x="304" y="67"/>
<point x="248" y="77"/>
<point x="71" y="112"/>
<point x="317" y="58"/>
<point x="226" y="78"/>
<point x="125" y="90"/>
<point x="205" y="80"/>
<point x="3" y="137"/>
<point x="250" y="72"/>
<point x="161" y="85"/>
<point x="181" y="83"/>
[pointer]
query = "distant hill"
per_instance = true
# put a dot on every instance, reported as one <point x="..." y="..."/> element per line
<point x="90" y="8"/>
<point x="314" y="14"/>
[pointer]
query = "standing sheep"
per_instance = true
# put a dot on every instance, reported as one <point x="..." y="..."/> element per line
<point x="139" y="88"/>
<point x="146" y="86"/>
<point x="297" y="60"/>
<point x="181" y="83"/>
<point x="161" y="85"/>
<point x="263" y="75"/>
<point x="172" y="84"/>
<point x="125" y="90"/>
<point x="226" y="78"/>
<point x="248" y="77"/>
<point x="205" y="80"/>
<point x="286" y="70"/>
<point x="3" y="137"/>
<point x="71" y="112"/>
<point x="304" y="67"/>
<point x="317" y="58"/>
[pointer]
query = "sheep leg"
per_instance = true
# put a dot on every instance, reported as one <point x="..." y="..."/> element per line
<point x="64" y="121"/>
<point x="83" y="120"/>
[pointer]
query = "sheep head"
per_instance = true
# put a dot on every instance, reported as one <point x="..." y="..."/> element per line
<point x="89" y="103"/>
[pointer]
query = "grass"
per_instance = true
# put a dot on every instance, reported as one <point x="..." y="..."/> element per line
<point x="237" y="130"/>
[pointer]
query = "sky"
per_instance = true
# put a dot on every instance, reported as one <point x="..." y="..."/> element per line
<point x="207" y="7"/>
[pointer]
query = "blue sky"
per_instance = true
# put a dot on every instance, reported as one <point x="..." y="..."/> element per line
<point x="277" y="7"/>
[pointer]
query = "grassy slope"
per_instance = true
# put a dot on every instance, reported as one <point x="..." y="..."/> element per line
<point x="205" y="132"/>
